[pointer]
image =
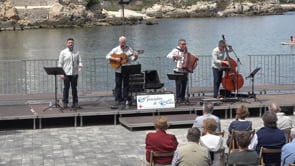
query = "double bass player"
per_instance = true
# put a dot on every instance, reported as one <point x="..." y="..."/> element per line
<point x="218" y="63"/>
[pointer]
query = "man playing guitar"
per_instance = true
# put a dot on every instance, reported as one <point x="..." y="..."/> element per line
<point x="121" y="49"/>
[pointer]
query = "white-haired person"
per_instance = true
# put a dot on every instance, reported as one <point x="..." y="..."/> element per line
<point x="208" y="108"/>
<point x="121" y="79"/>
<point x="284" y="122"/>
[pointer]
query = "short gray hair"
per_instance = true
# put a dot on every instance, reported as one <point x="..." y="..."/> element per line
<point x="193" y="134"/>
<point x="270" y="119"/>
<point x="208" y="107"/>
<point x="122" y="38"/>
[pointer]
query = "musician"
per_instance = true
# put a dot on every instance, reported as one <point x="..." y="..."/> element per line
<point x="218" y="59"/>
<point x="119" y="78"/>
<point x="177" y="54"/>
<point x="70" y="60"/>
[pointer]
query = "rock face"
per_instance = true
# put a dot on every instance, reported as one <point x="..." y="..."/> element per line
<point x="8" y="15"/>
<point x="213" y="9"/>
<point x="16" y="14"/>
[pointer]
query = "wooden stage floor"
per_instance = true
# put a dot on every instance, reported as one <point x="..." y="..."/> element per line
<point x="96" y="112"/>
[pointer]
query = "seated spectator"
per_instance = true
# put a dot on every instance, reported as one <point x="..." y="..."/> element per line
<point x="207" y="113"/>
<point x="160" y="141"/>
<point x="288" y="151"/>
<point x="192" y="153"/>
<point x="243" y="156"/>
<point x="269" y="136"/>
<point x="284" y="122"/>
<point x="240" y="124"/>
<point x="212" y="142"/>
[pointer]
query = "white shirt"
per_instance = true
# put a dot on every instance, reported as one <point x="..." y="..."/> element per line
<point x="199" y="121"/>
<point x="70" y="61"/>
<point x="178" y="62"/>
<point x="217" y="57"/>
<point x="118" y="50"/>
<point x="284" y="122"/>
<point x="212" y="142"/>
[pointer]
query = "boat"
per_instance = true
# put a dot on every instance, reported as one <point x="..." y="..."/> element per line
<point x="287" y="43"/>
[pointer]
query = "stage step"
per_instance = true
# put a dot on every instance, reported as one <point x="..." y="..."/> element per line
<point x="148" y="121"/>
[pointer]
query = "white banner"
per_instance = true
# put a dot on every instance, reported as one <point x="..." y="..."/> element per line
<point x="155" y="101"/>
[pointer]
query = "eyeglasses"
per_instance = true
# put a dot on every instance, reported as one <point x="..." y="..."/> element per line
<point x="183" y="44"/>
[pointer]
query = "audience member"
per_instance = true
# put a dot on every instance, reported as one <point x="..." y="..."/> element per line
<point x="212" y="142"/>
<point x="207" y="113"/>
<point x="160" y="141"/>
<point x="243" y="156"/>
<point x="284" y="122"/>
<point x="240" y="124"/>
<point x="288" y="151"/>
<point x="269" y="136"/>
<point x="192" y="153"/>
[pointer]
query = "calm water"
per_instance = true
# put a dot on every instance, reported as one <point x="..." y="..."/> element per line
<point x="247" y="35"/>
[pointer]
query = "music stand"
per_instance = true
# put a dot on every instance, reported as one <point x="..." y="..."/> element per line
<point x="131" y="69"/>
<point x="251" y="76"/>
<point x="128" y="69"/>
<point x="179" y="76"/>
<point x="54" y="71"/>
<point x="175" y="76"/>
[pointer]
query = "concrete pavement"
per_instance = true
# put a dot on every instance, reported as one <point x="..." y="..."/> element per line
<point x="105" y="145"/>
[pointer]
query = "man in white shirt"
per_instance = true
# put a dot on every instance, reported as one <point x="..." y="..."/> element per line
<point x="284" y="122"/>
<point x="218" y="60"/>
<point x="120" y="79"/>
<point x="177" y="54"/>
<point x="207" y="113"/>
<point x="70" y="60"/>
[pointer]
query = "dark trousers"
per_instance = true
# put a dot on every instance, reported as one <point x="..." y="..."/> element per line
<point x="70" y="81"/>
<point x="119" y="79"/>
<point x="181" y="87"/>
<point x="217" y="78"/>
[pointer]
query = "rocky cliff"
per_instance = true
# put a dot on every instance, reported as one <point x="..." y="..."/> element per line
<point x="71" y="13"/>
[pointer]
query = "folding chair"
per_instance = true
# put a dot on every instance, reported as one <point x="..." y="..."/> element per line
<point x="159" y="154"/>
<point x="264" y="150"/>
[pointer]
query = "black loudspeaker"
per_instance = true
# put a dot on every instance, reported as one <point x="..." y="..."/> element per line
<point x="225" y="93"/>
<point x="151" y="76"/>
<point x="152" y="80"/>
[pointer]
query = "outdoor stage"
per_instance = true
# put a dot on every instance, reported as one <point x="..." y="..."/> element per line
<point x="29" y="111"/>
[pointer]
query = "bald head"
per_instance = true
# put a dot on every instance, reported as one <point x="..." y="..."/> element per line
<point x="274" y="107"/>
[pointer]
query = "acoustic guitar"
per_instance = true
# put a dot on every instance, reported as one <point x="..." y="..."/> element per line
<point x="123" y="57"/>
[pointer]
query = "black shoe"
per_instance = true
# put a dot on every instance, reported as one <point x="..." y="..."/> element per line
<point x="65" y="105"/>
<point x="116" y="105"/>
<point x="76" y="105"/>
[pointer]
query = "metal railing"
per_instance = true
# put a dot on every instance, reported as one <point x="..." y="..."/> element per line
<point x="29" y="77"/>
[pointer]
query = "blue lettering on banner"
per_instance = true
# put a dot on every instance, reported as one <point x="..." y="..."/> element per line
<point x="155" y="101"/>
<point x="142" y="99"/>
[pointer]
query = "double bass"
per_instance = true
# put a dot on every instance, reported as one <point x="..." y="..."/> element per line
<point x="232" y="80"/>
